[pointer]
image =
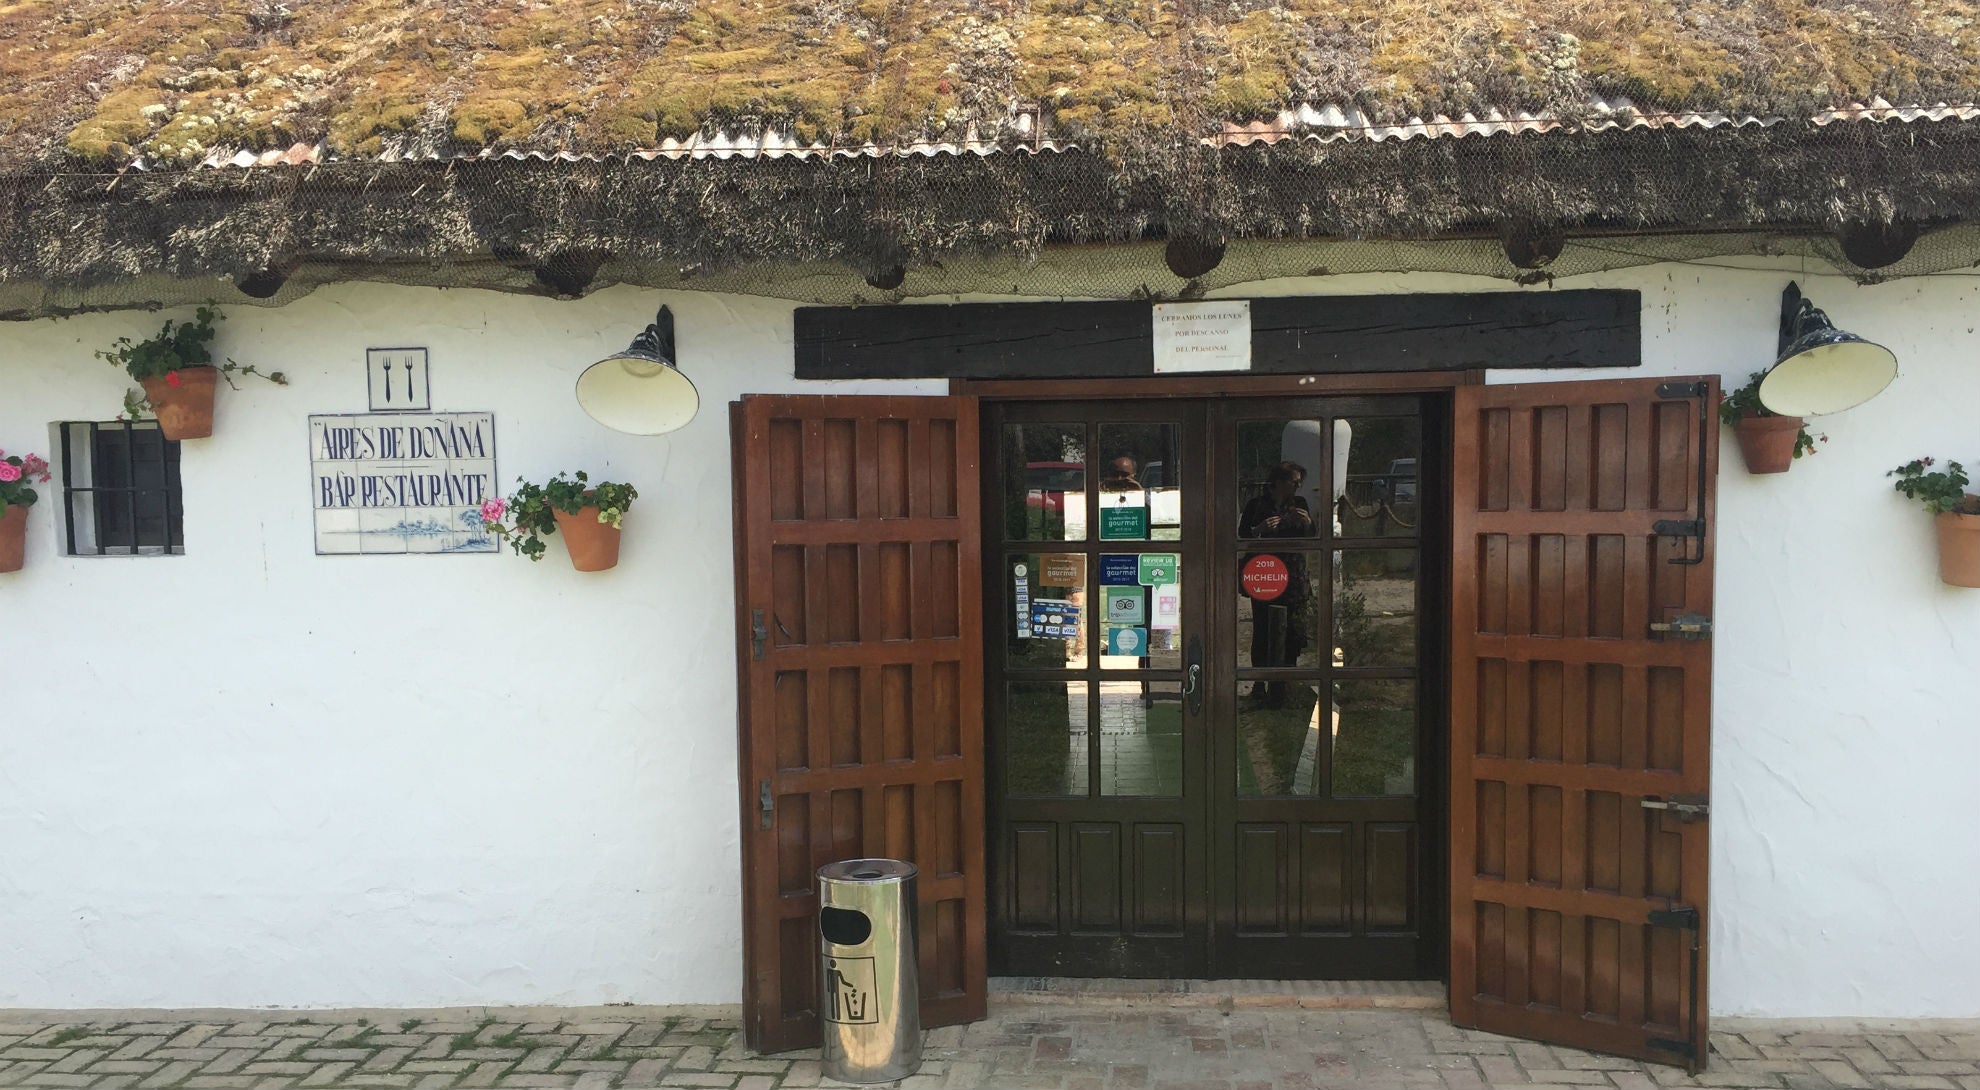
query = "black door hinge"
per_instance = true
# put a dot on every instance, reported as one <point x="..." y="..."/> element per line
<point x="1667" y="1044"/>
<point x="1686" y="808"/>
<point x="1685" y="626"/>
<point x="1686" y="919"/>
<point x="1691" y="528"/>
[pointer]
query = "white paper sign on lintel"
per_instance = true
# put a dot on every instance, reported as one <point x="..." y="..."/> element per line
<point x="1206" y="336"/>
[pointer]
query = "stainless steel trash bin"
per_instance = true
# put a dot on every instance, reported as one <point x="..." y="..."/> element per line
<point x="870" y="1001"/>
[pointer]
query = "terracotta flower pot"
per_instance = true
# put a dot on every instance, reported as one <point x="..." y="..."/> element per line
<point x="1767" y="442"/>
<point x="593" y="545"/>
<point x="184" y="411"/>
<point x="1959" y="549"/>
<point x="13" y="537"/>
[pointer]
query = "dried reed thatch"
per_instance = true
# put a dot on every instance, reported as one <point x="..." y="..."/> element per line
<point x="1049" y="121"/>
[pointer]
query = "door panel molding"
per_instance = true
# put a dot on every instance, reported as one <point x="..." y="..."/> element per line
<point x="859" y="657"/>
<point x="1577" y="912"/>
<point x="1276" y="886"/>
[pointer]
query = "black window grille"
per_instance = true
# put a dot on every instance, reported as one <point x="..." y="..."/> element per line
<point x="120" y="490"/>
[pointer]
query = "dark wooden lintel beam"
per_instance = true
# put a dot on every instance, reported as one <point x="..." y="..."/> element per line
<point x="1338" y="334"/>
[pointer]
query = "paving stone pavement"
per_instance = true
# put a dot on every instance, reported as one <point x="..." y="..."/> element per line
<point x="1022" y="1046"/>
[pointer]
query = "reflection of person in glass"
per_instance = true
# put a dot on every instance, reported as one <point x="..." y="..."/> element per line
<point x="1278" y="629"/>
<point x="1121" y="476"/>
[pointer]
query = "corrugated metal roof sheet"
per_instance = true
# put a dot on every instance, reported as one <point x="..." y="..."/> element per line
<point x="1326" y="123"/>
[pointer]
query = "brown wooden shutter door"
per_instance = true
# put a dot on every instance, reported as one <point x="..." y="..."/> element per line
<point x="1578" y="911"/>
<point x="861" y="663"/>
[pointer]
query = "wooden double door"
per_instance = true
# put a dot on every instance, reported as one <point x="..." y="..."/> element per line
<point x="1053" y="654"/>
<point x="1214" y="710"/>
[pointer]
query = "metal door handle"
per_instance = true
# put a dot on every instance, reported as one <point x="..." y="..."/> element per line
<point x="1193" y="678"/>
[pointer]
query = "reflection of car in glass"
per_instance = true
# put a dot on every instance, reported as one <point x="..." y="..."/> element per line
<point x="1394" y="487"/>
<point x="1046" y="483"/>
<point x="1402" y="480"/>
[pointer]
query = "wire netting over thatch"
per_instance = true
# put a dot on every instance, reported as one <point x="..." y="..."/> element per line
<point x="565" y="227"/>
<point x="105" y="81"/>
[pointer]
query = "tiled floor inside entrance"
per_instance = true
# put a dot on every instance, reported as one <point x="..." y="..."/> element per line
<point x="1041" y="1035"/>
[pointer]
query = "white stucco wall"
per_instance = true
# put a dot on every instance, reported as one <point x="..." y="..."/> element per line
<point x="251" y="776"/>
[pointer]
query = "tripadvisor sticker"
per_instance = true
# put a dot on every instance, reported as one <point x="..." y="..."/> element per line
<point x="1126" y="605"/>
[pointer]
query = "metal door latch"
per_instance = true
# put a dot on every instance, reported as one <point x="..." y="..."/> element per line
<point x="758" y="635"/>
<point x="766" y="803"/>
<point x="1686" y="807"/>
<point x="1678" y="916"/>
<point x="1686" y="626"/>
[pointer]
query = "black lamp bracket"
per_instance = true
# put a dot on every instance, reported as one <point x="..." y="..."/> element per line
<point x="657" y="339"/>
<point x="1799" y="317"/>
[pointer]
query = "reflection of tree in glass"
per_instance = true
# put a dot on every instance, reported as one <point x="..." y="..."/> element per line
<point x="1047" y="459"/>
<point x="1152" y="446"/>
<point x="1038" y="739"/>
<point x="1375" y="744"/>
<point x="1273" y="739"/>
<point x="1380" y="441"/>
<point x="1360" y="637"/>
<point x="1382" y="484"/>
<point x="1038" y="649"/>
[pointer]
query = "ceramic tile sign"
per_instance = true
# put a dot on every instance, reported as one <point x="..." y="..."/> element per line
<point x="392" y="484"/>
<point x="1119" y="570"/>
<point x="397" y="380"/>
<point x="1124" y="516"/>
<point x="1205" y="336"/>
<point x="1126" y="605"/>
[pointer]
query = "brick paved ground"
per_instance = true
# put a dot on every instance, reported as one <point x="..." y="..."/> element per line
<point x="1269" y="1044"/>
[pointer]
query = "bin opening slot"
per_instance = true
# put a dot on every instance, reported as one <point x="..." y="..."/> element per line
<point x="844" y="926"/>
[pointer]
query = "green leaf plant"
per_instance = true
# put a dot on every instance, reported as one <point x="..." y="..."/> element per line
<point x="177" y="347"/>
<point x="1940" y="490"/>
<point x="530" y="510"/>
<point x="1745" y="401"/>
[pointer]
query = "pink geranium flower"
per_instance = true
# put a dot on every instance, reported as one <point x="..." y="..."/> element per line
<point x="491" y="510"/>
<point x="172" y="379"/>
<point x="9" y="472"/>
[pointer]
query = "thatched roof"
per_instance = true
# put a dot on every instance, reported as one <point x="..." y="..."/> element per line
<point x="194" y="138"/>
<point x="102" y="81"/>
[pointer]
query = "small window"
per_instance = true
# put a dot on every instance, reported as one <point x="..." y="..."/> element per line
<point x="120" y="490"/>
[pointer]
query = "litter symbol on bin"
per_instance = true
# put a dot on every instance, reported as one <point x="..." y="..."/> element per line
<point x="849" y="991"/>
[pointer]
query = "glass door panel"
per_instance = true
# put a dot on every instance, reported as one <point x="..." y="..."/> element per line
<point x="1317" y="831"/>
<point x="1207" y="716"/>
<point x="1096" y="772"/>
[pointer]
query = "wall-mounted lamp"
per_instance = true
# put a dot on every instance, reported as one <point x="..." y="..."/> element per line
<point x="1821" y="369"/>
<point x="641" y="390"/>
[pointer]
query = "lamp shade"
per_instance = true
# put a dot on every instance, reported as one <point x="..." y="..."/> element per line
<point x="640" y="391"/>
<point x="1822" y="369"/>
